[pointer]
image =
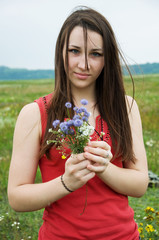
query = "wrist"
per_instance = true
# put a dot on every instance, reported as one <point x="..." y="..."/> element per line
<point x="64" y="184"/>
<point x="104" y="173"/>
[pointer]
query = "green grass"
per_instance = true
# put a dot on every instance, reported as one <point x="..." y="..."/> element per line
<point x="147" y="97"/>
<point x="15" y="94"/>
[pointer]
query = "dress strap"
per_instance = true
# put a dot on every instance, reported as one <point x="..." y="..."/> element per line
<point x="43" y="103"/>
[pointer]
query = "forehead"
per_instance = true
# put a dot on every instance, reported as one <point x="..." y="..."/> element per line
<point x="94" y="39"/>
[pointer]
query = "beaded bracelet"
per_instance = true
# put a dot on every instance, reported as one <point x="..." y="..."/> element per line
<point x="65" y="184"/>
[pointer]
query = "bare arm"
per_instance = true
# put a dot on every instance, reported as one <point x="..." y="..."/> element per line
<point x="132" y="180"/>
<point x="23" y="193"/>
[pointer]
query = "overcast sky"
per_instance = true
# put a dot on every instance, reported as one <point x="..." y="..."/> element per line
<point x="29" y="29"/>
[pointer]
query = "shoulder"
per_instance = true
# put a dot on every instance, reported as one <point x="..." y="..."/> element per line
<point x="30" y="110"/>
<point x="132" y="106"/>
<point x="130" y="102"/>
<point x="133" y="112"/>
<point x="29" y="117"/>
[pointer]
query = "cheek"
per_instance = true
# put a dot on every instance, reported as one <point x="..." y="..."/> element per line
<point x="71" y="62"/>
<point x="97" y="64"/>
<point x="99" y="68"/>
<point x="102" y="64"/>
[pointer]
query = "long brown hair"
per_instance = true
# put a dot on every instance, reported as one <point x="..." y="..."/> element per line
<point x="110" y="92"/>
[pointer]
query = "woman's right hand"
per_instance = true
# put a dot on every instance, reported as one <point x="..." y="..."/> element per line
<point x="76" y="172"/>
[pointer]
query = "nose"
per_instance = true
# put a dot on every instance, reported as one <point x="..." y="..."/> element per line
<point x="83" y="63"/>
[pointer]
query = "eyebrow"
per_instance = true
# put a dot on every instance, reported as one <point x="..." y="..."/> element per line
<point x="70" y="45"/>
<point x="93" y="49"/>
<point x="97" y="49"/>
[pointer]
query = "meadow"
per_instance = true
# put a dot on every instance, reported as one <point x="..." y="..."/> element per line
<point x="15" y="94"/>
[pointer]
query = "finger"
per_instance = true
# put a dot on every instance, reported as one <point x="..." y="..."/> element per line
<point x="96" y="169"/>
<point x="77" y="180"/>
<point x="99" y="152"/>
<point x="105" y="162"/>
<point x="89" y="176"/>
<point x="73" y="169"/>
<point x="82" y="165"/>
<point x="100" y="144"/>
<point x="94" y="158"/>
<point x="96" y="151"/>
<point x="109" y="155"/>
<point x="82" y="173"/>
<point x="76" y="158"/>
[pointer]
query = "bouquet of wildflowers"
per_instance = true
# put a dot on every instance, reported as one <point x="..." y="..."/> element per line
<point x="73" y="133"/>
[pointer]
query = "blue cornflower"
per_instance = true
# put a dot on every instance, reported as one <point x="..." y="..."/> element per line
<point x="71" y="131"/>
<point x="76" y="117"/>
<point x="70" y="123"/>
<point x="86" y="114"/>
<point x="64" y="127"/>
<point x="83" y="109"/>
<point x="79" y="110"/>
<point x="84" y="101"/>
<point x="56" y="123"/>
<point x="68" y="105"/>
<point x="85" y="119"/>
<point x="75" y="109"/>
<point x="78" y="122"/>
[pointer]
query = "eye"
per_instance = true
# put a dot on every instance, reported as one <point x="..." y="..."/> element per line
<point x="96" y="54"/>
<point x="74" y="51"/>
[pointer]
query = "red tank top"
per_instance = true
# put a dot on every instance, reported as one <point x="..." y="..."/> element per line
<point x="107" y="214"/>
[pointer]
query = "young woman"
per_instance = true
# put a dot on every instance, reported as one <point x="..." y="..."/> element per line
<point x="87" y="66"/>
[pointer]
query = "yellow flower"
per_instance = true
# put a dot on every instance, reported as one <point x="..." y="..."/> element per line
<point x="140" y="229"/>
<point x="149" y="218"/>
<point x="152" y="209"/>
<point x="141" y="224"/>
<point x="149" y="209"/>
<point x="63" y="157"/>
<point x="149" y="228"/>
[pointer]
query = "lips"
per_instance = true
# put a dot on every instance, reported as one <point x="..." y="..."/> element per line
<point x="82" y="75"/>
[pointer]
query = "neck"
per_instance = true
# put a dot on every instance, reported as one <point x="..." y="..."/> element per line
<point x="91" y="98"/>
<point x="87" y="94"/>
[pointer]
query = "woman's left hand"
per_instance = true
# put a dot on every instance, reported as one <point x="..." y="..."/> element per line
<point x="99" y="153"/>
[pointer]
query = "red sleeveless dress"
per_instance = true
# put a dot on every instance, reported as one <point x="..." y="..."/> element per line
<point x="107" y="214"/>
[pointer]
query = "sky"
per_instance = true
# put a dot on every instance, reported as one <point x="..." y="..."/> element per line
<point x="29" y="29"/>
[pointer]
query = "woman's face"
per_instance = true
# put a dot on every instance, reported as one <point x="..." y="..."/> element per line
<point x="83" y="74"/>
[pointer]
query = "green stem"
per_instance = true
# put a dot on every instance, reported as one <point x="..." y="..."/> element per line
<point x="68" y="113"/>
<point x="85" y="205"/>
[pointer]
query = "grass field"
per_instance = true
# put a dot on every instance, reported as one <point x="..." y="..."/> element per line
<point x="15" y="94"/>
